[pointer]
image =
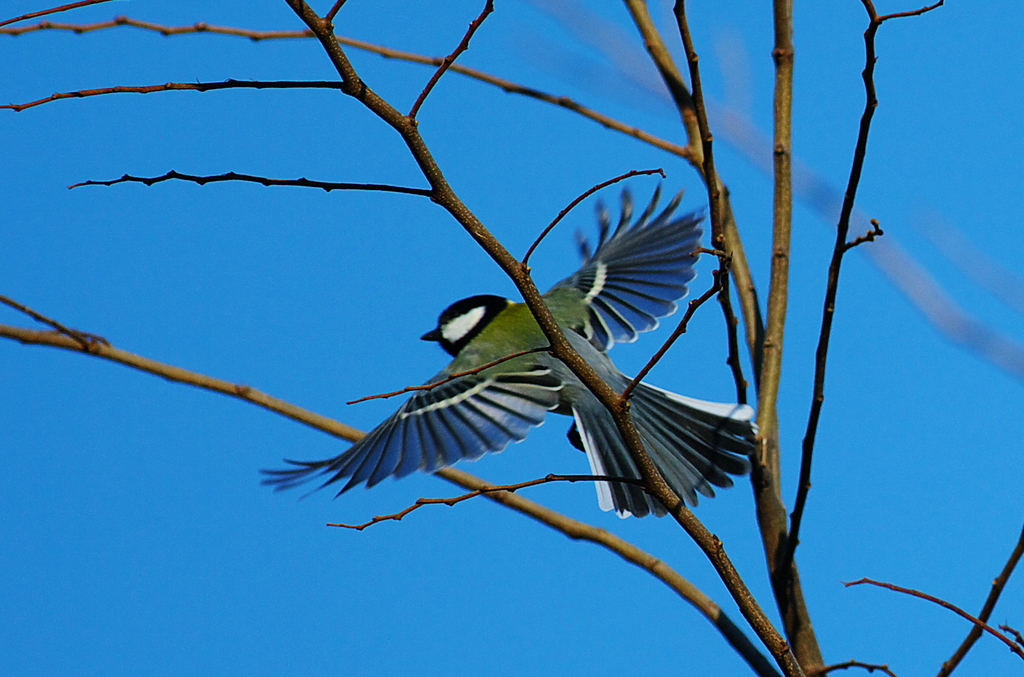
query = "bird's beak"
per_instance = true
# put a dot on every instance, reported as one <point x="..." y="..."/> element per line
<point x="432" y="335"/>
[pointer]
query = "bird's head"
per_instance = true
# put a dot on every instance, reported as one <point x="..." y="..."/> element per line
<point x="462" y="321"/>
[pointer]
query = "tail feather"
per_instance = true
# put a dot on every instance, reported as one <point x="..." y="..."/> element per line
<point x="695" y="445"/>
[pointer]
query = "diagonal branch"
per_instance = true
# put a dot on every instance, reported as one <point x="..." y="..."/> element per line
<point x="572" y="528"/>
<point x="839" y="250"/>
<point x="572" y="205"/>
<point x="457" y="375"/>
<point x="84" y="339"/>
<point x="943" y="603"/>
<point x="447" y="62"/>
<point x="53" y="10"/>
<point x="483" y="491"/>
<point x="986" y="611"/>
<point x="720" y="276"/>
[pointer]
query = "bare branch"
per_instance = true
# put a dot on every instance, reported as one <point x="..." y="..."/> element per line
<point x="875" y="232"/>
<point x="431" y="386"/>
<point x="334" y="10"/>
<point x="171" y="86"/>
<point x="720" y="276"/>
<point x="420" y="502"/>
<point x="199" y="27"/>
<point x="84" y="339"/>
<point x="572" y="205"/>
<point x="839" y="249"/>
<point x="986" y="610"/>
<point x="262" y="180"/>
<point x="846" y="665"/>
<point x="572" y="528"/>
<point x="447" y="62"/>
<point x="503" y="84"/>
<point x="944" y="604"/>
<point x="54" y="10"/>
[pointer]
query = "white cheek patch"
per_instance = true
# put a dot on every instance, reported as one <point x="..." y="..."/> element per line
<point x="455" y="329"/>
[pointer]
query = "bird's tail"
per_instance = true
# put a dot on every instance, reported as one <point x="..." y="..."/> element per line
<point x="696" y="446"/>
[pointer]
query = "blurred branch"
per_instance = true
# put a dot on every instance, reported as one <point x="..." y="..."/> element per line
<point x="510" y="488"/>
<point x="54" y="10"/>
<point x="572" y="205"/>
<point x="1014" y="647"/>
<point x="171" y="86"/>
<point x="447" y="61"/>
<point x="986" y="611"/>
<point x="265" y="181"/>
<point x="838" y="251"/>
<point x="570" y="527"/>
<point x="444" y="196"/>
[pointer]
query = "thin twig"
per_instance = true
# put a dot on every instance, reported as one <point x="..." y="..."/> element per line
<point x="420" y="502"/>
<point x="943" y="603"/>
<point x="719" y="276"/>
<point x="572" y="528"/>
<point x="838" y="250"/>
<point x="333" y="12"/>
<point x="431" y="386"/>
<point x="263" y="180"/>
<point x="572" y="205"/>
<point x="388" y="53"/>
<point x="846" y="665"/>
<point x="1017" y="636"/>
<point x="986" y="610"/>
<point x="172" y="86"/>
<point x="875" y="232"/>
<point x="54" y="10"/>
<point x="84" y="339"/>
<point x="447" y="62"/>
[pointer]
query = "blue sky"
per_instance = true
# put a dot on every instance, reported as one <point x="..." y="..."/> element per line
<point x="136" y="538"/>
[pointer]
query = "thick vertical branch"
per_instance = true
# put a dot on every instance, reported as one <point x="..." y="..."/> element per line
<point x="766" y="475"/>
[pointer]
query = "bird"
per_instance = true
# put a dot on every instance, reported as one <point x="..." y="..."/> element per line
<point x="634" y="276"/>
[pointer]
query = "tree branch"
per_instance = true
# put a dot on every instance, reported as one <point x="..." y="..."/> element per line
<point x="510" y="488"/>
<point x="447" y="62"/>
<point x="262" y="180"/>
<point x="54" y="10"/>
<point x="573" y="528"/>
<point x="572" y="205"/>
<point x="172" y="86"/>
<point x="838" y="251"/>
<point x="1014" y="647"/>
<point x="986" y="610"/>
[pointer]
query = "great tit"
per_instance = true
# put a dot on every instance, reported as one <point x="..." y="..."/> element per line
<point x="633" y="277"/>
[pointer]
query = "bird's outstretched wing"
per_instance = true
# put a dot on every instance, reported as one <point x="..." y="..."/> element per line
<point x="463" y="418"/>
<point x="637" y="272"/>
